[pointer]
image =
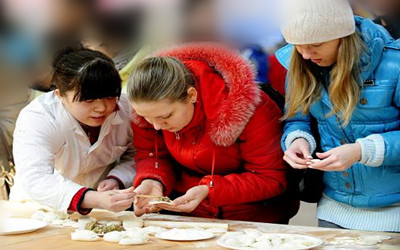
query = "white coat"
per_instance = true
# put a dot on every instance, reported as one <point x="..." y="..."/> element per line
<point x="54" y="158"/>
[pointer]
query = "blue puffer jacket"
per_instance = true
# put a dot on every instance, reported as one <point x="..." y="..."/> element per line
<point x="377" y="114"/>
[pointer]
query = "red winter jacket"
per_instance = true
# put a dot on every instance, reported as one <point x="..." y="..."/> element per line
<point x="235" y="128"/>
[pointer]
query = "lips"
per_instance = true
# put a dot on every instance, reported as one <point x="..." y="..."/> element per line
<point x="98" y="118"/>
<point x="316" y="60"/>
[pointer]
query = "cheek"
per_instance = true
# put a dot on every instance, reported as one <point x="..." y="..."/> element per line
<point x="111" y="104"/>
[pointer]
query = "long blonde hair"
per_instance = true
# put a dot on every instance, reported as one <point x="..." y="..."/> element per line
<point x="344" y="89"/>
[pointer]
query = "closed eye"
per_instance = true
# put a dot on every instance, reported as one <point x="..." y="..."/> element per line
<point x="166" y="117"/>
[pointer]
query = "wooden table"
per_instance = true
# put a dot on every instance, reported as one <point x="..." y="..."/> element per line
<point x="55" y="237"/>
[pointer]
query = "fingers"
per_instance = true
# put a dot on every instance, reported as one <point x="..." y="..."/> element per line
<point x="324" y="155"/>
<point x="298" y="163"/>
<point x="321" y="165"/>
<point x="101" y="187"/>
<point x="295" y="158"/>
<point x="306" y="153"/>
<point x="121" y="205"/>
<point x="128" y="190"/>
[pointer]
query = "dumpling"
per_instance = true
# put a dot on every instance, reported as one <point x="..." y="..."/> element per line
<point x="114" y="236"/>
<point x="153" y="230"/>
<point x="134" y="238"/>
<point x="70" y="223"/>
<point x="253" y="233"/>
<point x="84" y="235"/>
<point x="132" y="224"/>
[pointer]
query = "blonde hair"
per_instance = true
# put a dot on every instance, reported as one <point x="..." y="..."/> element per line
<point x="344" y="91"/>
<point x="158" y="78"/>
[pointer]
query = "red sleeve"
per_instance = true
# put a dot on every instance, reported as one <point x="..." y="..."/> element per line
<point x="120" y="183"/>
<point x="277" y="74"/>
<point x="264" y="175"/>
<point x="77" y="200"/>
<point x="147" y="166"/>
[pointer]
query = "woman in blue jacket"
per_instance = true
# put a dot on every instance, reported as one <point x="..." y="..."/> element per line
<point x="344" y="71"/>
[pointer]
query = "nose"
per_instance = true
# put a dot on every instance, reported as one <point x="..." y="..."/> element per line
<point x="100" y="105"/>
<point x="305" y="52"/>
<point x="157" y="125"/>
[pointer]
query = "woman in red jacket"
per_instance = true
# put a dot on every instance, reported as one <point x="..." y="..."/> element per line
<point x="204" y="131"/>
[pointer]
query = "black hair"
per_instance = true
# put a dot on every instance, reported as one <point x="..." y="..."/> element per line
<point x="90" y="73"/>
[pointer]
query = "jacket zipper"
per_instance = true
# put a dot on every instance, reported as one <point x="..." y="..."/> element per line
<point x="177" y="136"/>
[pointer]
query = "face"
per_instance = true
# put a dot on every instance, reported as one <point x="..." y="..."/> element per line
<point x="167" y="115"/>
<point x="91" y="112"/>
<point x="322" y="54"/>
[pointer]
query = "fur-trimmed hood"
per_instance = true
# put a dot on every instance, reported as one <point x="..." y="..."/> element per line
<point x="239" y="99"/>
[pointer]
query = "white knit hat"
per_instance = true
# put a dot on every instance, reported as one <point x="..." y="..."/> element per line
<point x="316" y="21"/>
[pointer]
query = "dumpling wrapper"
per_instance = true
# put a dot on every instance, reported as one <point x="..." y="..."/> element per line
<point x="161" y="202"/>
<point x="84" y="235"/>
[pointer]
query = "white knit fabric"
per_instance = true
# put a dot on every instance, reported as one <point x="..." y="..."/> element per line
<point x="316" y="21"/>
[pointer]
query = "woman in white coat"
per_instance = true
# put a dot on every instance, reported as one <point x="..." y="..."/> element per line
<point x="77" y="138"/>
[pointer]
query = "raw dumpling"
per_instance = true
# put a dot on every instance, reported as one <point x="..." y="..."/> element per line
<point x="132" y="223"/>
<point x="132" y="241"/>
<point x="252" y="233"/>
<point x="114" y="236"/>
<point x="153" y="230"/>
<point x="134" y="238"/>
<point x="84" y="235"/>
<point x="70" y="223"/>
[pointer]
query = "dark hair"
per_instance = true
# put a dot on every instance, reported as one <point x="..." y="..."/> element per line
<point x="90" y="73"/>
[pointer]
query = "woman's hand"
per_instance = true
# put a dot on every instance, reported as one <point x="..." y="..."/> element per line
<point x="108" y="184"/>
<point x="188" y="202"/>
<point x="112" y="200"/>
<point x="298" y="154"/>
<point x="147" y="187"/>
<point x="338" y="159"/>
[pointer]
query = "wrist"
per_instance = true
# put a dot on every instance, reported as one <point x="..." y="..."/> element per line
<point x="156" y="184"/>
<point x="205" y="189"/>
<point x="357" y="148"/>
<point x="90" y="200"/>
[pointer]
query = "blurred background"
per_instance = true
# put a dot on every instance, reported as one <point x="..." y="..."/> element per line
<point x="31" y="31"/>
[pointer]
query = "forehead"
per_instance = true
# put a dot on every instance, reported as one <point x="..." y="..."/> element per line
<point x="155" y="108"/>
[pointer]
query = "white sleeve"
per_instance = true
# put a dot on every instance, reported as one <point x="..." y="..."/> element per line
<point x="125" y="169"/>
<point x="36" y="143"/>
